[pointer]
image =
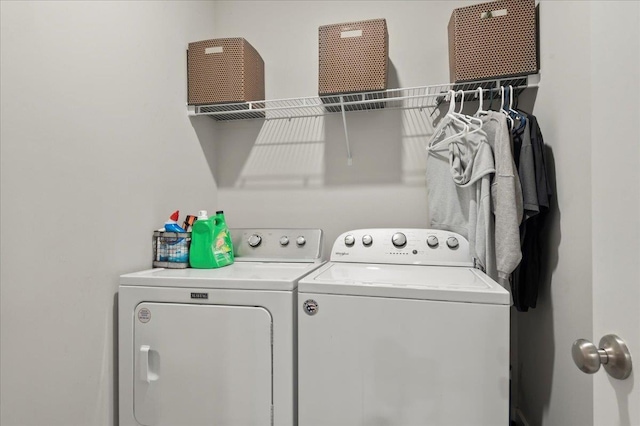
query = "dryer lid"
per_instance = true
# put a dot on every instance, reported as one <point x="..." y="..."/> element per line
<point x="446" y="283"/>
<point x="239" y="276"/>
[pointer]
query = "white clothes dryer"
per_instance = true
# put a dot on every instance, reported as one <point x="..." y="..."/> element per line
<point x="400" y="329"/>
<point x="215" y="346"/>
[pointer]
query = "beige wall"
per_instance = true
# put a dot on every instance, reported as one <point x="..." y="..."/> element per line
<point x="96" y="152"/>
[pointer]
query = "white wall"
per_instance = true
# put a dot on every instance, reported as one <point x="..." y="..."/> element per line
<point x="553" y="391"/>
<point x="96" y="152"/>
<point x="314" y="187"/>
<point x="311" y="185"/>
<point x="615" y="164"/>
<point x="589" y="107"/>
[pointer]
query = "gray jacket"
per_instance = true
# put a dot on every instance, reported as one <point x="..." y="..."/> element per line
<point x="506" y="195"/>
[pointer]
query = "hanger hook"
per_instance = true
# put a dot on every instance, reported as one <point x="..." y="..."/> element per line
<point x="461" y="100"/>
<point x="501" y="97"/>
<point x="452" y="101"/>
<point x="480" y="98"/>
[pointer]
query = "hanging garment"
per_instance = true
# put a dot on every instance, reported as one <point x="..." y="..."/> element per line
<point x="525" y="164"/>
<point x="543" y="184"/>
<point x="459" y="191"/>
<point x="527" y="277"/>
<point x="506" y="196"/>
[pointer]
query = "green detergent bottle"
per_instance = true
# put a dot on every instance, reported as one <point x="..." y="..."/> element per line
<point x="222" y="246"/>
<point x="202" y="240"/>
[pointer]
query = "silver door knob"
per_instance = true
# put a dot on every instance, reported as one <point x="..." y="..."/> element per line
<point x="613" y="353"/>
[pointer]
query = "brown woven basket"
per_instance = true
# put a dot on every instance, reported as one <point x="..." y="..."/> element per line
<point x="495" y="39"/>
<point x="353" y="57"/>
<point x="224" y="70"/>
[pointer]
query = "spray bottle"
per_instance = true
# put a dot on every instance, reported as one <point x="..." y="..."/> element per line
<point x="172" y="224"/>
<point x="176" y="249"/>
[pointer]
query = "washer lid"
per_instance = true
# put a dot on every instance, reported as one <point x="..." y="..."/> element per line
<point x="240" y="276"/>
<point x="447" y="283"/>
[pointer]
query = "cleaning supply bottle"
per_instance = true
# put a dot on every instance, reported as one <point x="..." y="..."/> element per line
<point x="172" y="224"/>
<point x="223" y="247"/>
<point x="177" y="249"/>
<point x="202" y="240"/>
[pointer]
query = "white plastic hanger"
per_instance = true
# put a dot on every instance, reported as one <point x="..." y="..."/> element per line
<point x="480" y="111"/>
<point x="451" y="116"/>
<point x="459" y="113"/>
<point x="502" y="110"/>
<point x="467" y="118"/>
<point x="514" y="113"/>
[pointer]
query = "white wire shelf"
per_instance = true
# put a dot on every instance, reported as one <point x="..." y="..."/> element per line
<point x="314" y="106"/>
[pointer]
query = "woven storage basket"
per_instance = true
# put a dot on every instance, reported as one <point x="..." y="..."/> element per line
<point x="353" y="57"/>
<point x="224" y="70"/>
<point x="495" y="39"/>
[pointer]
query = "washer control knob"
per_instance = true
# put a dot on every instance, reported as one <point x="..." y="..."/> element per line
<point x="284" y="241"/>
<point x="432" y="241"/>
<point x="367" y="240"/>
<point x="349" y="240"/>
<point x="300" y="241"/>
<point x="452" y="242"/>
<point x="254" y="240"/>
<point x="399" y="239"/>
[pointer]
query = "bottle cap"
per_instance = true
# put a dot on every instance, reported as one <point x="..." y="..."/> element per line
<point x="220" y="212"/>
<point x="175" y="215"/>
<point x="202" y="214"/>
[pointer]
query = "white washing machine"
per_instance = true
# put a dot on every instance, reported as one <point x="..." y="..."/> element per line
<point x="215" y="346"/>
<point x="400" y="329"/>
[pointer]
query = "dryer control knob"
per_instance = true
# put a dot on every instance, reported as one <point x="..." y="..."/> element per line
<point x="432" y="241"/>
<point x="399" y="239"/>
<point x="301" y="241"/>
<point x="284" y="241"/>
<point x="349" y="240"/>
<point x="452" y="242"/>
<point x="254" y="240"/>
<point x="367" y="240"/>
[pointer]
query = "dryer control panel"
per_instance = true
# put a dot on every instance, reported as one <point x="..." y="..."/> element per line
<point x="402" y="246"/>
<point x="276" y="245"/>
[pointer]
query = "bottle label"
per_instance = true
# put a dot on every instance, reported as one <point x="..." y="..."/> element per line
<point x="222" y="249"/>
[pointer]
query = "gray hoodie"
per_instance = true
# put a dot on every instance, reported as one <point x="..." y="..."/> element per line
<point x="459" y="191"/>
<point x="506" y="196"/>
